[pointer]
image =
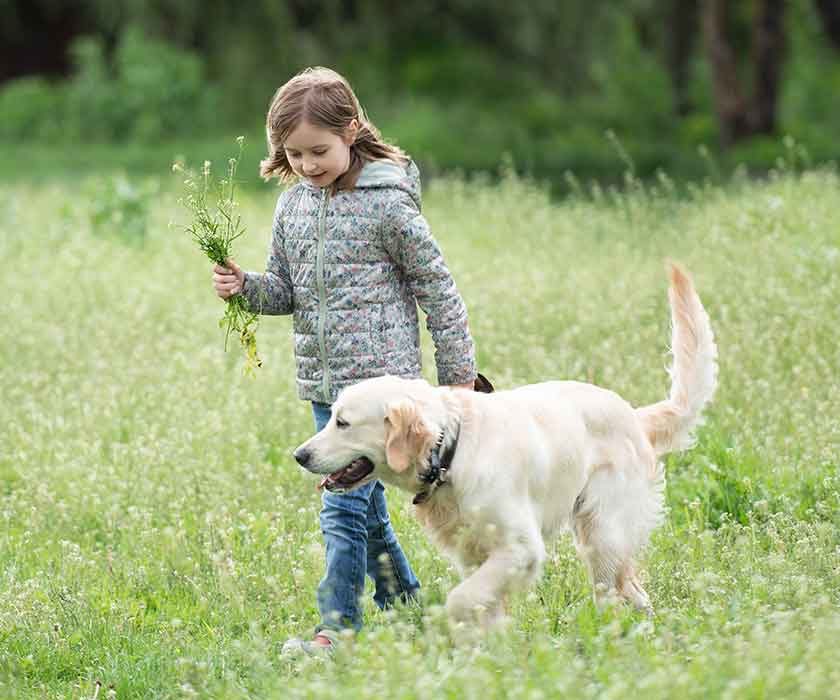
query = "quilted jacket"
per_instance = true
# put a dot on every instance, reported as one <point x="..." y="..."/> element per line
<point x="351" y="267"/>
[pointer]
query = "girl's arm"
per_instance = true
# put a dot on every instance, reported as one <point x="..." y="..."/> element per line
<point x="271" y="291"/>
<point x="409" y="241"/>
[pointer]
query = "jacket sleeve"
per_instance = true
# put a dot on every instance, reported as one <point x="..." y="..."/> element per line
<point x="409" y="241"/>
<point x="271" y="291"/>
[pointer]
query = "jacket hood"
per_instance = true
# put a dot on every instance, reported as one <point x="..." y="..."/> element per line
<point x="385" y="174"/>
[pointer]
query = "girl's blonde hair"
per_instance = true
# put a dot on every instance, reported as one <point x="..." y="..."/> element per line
<point x="323" y="98"/>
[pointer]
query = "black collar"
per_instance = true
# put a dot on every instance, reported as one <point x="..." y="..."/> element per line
<point x="440" y="460"/>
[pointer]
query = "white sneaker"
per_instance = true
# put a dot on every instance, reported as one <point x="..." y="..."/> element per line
<point x="310" y="647"/>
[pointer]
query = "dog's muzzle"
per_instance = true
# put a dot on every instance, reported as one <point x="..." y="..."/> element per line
<point x="339" y="481"/>
<point x="345" y="479"/>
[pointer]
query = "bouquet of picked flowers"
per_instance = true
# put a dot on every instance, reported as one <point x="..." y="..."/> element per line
<point x="215" y="227"/>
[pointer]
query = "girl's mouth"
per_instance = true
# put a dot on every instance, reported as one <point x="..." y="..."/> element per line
<point x="346" y="478"/>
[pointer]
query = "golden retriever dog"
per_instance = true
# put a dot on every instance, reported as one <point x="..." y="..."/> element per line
<point x="496" y="475"/>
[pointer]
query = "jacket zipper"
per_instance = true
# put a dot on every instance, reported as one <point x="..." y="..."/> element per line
<point x="322" y="294"/>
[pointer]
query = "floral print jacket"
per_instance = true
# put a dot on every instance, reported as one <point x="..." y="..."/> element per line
<point x="352" y="267"/>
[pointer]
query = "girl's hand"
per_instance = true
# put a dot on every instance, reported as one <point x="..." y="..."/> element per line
<point x="229" y="280"/>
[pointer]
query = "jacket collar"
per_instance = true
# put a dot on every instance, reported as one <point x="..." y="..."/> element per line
<point x="383" y="174"/>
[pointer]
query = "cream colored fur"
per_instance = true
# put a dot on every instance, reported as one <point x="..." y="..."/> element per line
<point x="530" y="463"/>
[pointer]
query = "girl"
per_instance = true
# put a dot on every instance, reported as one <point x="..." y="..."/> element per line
<point x="350" y="257"/>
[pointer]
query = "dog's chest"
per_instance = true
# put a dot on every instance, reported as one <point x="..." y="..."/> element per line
<point x="466" y="540"/>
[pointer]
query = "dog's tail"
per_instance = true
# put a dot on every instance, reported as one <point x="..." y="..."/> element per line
<point x="669" y="424"/>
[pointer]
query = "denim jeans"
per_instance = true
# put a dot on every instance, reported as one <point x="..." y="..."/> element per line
<point x="359" y="540"/>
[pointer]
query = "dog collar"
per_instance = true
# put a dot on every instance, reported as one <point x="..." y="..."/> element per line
<point x="440" y="460"/>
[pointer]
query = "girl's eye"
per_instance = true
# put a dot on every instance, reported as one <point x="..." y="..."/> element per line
<point x="341" y="423"/>
<point x="319" y="153"/>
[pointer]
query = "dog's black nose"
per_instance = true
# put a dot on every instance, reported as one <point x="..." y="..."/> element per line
<point x="302" y="456"/>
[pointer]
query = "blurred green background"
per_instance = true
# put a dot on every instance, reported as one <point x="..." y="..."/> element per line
<point x="592" y="87"/>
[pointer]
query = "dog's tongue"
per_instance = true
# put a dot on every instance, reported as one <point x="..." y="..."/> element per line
<point x="353" y="472"/>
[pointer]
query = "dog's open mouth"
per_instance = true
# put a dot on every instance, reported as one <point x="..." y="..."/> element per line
<point x="344" y="479"/>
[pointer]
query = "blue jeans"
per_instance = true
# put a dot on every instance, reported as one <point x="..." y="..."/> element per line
<point x="360" y="540"/>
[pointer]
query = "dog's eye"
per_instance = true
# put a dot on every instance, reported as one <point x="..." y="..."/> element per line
<point x="341" y="423"/>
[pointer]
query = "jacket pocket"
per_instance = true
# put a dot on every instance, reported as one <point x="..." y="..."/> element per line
<point x="348" y="333"/>
<point x="379" y="333"/>
<point x="398" y="344"/>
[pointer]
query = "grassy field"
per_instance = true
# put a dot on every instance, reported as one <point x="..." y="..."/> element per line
<point x="157" y="537"/>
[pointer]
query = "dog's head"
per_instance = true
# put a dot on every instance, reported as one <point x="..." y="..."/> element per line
<point x="382" y="428"/>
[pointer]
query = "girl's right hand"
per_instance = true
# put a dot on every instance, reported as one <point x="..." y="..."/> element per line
<point x="229" y="280"/>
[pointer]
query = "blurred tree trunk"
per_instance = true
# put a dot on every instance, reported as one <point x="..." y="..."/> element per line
<point x="830" y="14"/>
<point x="768" y="57"/>
<point x="730" y="103"/>
<point x="740" y="113"/>
<point x="682" y="18"/>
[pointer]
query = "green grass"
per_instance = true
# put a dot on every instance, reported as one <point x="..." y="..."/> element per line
<point x="156" y="535"/>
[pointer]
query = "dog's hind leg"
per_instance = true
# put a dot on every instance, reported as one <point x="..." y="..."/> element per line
<point x="612" y="519"/>
<point x="612" y="573"/>
<point x="630" y="588"/>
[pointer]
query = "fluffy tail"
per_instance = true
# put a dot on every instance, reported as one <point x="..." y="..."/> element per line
<point x="669" y="424"/>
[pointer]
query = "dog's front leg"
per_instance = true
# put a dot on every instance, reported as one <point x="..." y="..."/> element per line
<point x="479" y="599"/>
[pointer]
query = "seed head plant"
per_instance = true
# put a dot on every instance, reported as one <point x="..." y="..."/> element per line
<point x="215" y="226"/>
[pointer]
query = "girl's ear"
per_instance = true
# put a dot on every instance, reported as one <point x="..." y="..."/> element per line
<point x="406" y="435"/>
<point x="351" y="132"/>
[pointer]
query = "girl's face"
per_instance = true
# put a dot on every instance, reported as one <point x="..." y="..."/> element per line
<point x="319" y="155"/>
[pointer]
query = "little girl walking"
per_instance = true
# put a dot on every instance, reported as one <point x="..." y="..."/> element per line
<point x="351" y="257"/>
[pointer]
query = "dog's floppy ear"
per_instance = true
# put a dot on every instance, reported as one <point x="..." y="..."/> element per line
<point x="406" y="434"/>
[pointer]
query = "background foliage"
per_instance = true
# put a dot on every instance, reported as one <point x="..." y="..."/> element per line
<point x="459" y="84"/>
